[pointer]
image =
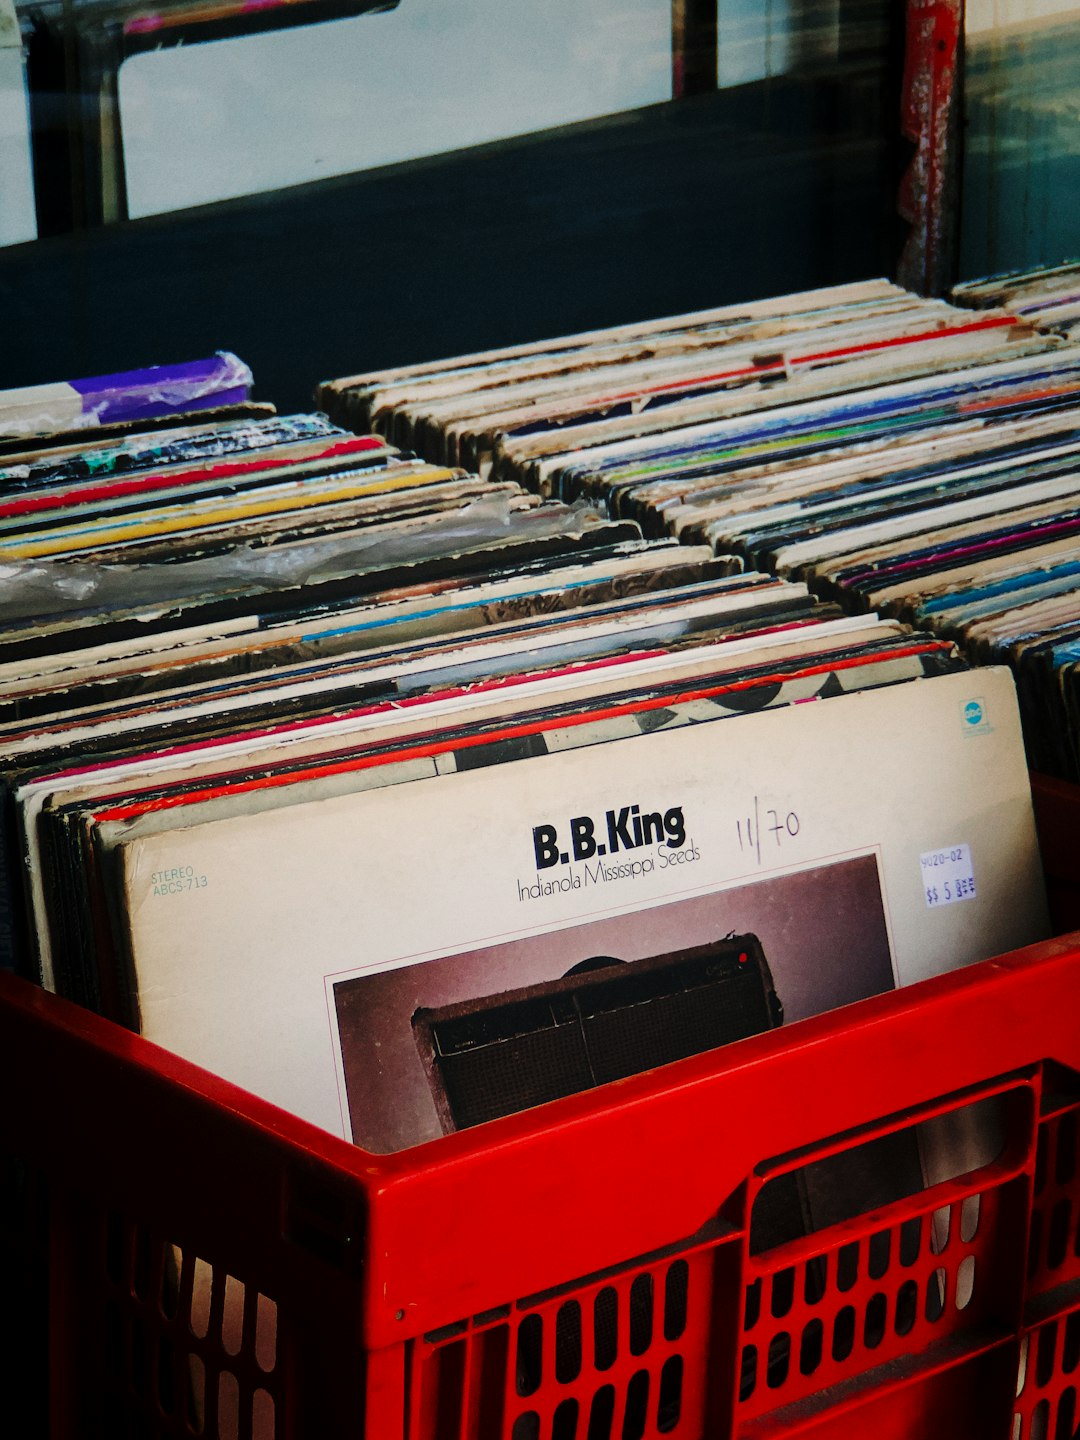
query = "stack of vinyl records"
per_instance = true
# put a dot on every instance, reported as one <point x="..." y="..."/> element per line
<point x="892" y="453"/>
<point x="1049" y="297"/>
<point x="408" y="799"/>
<point x="553" y="413"/>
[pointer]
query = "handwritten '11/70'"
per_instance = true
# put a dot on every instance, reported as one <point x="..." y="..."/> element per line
<point x="770" y="824"/>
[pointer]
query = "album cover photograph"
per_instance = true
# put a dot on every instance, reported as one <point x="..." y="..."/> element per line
<point x="436" y="1047"/>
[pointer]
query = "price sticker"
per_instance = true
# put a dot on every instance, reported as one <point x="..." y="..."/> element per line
<point x="947" y="876"/>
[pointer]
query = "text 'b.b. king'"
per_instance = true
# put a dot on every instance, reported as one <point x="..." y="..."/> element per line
<point x="624" y="829"/>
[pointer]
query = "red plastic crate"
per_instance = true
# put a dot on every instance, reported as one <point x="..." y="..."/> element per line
<point x="181" y="1258"/>
<point x="582" y="1271"/>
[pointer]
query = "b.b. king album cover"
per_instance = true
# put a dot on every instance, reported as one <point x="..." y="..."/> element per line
<point x="362" y="959"/>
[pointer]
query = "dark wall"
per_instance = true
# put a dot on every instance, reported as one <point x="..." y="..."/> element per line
<point x="723" y="197"/>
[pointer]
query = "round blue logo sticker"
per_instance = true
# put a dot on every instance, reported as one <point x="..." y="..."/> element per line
<point x="973" y="712"/>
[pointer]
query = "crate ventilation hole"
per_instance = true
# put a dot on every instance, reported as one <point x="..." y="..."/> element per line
<point x="589" y="1339"/>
